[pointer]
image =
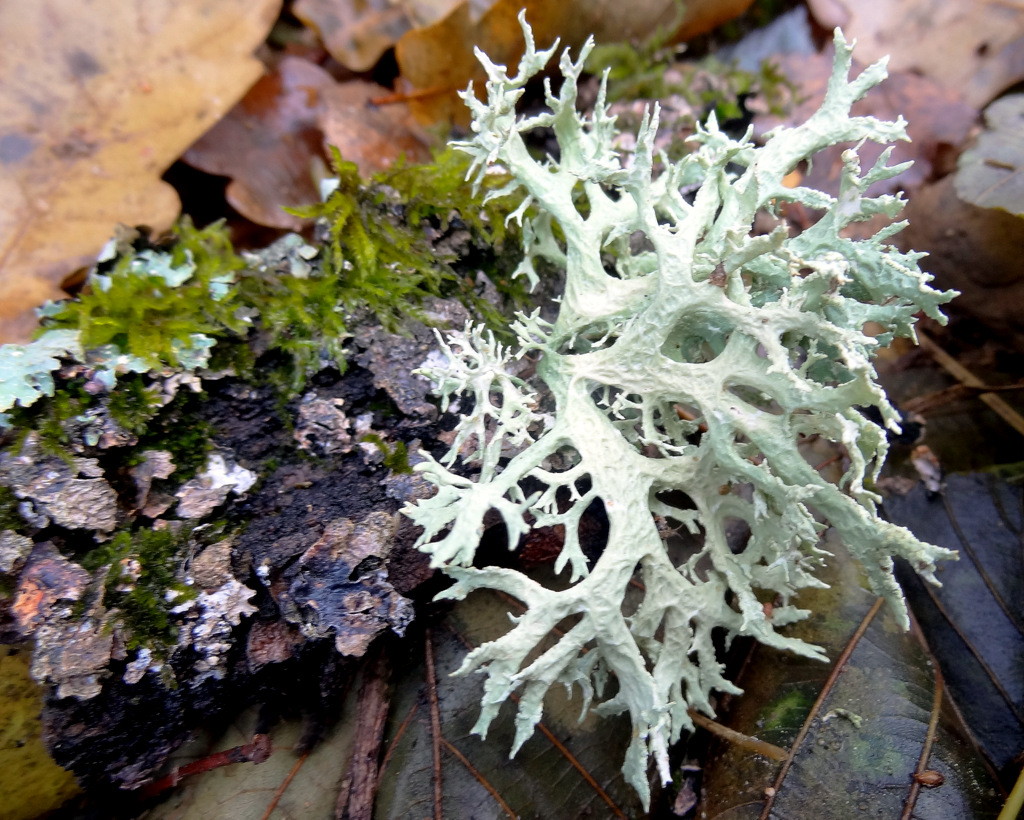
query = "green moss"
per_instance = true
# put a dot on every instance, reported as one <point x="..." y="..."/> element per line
<point x="50" y="419"/>
<point x="154" y="555"/>
<point x="179" y="430"/>
<point x="379" y="254"/>
<point x="134" y="403"/>
<point x="10" y="519"/>
<point x="396" y="458"/>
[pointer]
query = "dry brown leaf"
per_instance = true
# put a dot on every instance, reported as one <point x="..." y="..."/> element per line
<point x="97" y="100"/>
<point x="372" y="136"/>
<point x="267" y="144"/>
<point x="358" y="32"/>
<point x="974" y="46"/>
<point x="974" y="250"/>
<point x="438" y="60"/>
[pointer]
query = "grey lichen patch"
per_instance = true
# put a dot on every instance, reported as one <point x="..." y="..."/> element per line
<point x="201" y="495"/>
<point x="72" y="495"/>
<point x="342" y="589"/>
<point x="322" y="426"/>
<point x="154" y="464"/>
<point x="14" y="551"/>
<point x="212" y="567"/>
<point x="209" y="620"/>
<point x="71" y="653"/>
<point x="387" y="356"/>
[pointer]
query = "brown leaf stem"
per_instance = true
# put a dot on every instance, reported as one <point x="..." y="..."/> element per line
<point x="480" y="778"/>
<point x="257" y="751"/>
<point x="926" y="748"/>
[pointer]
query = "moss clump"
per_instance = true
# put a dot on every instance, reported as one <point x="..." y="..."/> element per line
<point x="143" y="585"/>
<point x="152" y="305"/>
<point x="379" y="253"/>
<point x="134" y="403"/>
<point x="52" y="418"/>
<point x="9" y="517"/>
<point x="179" y="430"/>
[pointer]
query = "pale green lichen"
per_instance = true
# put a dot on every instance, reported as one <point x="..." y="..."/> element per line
<point x="26" y="371"/>
<point x="695" y="367"/>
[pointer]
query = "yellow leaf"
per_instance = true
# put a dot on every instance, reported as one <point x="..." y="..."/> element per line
<point x="96" y="101"/>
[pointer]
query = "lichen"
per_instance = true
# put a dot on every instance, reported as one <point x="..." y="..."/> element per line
<point x="683" y="376"/>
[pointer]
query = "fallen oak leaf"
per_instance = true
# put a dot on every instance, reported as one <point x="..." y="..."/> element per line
<point x="372" y="136"/>
<point x="267" y="144"/>
<point x="97" y="102"/>
<point x="358" y="32"/>
<point x="989" y="173"/>
<point x="439" y="58"/>
<point x="973" y="46"/>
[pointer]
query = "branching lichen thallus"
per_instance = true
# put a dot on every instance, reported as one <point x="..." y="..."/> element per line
<point x="695" y="366"/>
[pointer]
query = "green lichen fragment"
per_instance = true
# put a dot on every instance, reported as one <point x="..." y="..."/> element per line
<point x="143" y="584"/>
<point x="693" y="369"/>
<point x="26" y="371"/>
<point x="159" y="309"/>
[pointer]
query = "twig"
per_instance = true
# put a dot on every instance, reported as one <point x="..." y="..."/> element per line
<point x="359" y="789"/>
<point x="435" y="723"/>
<point x="257" y="751"/>
<point x="962" y="374"/>
<point x="926" y="749"/>
<point x="761" y="747"/>
<point x="925" y="404"/>
<point x="415" y="94"/>
<point x="1015" y="802"/>
<point x="284" y="786"/>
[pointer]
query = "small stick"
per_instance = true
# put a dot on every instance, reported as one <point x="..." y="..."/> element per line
<point x="926" y="747"/>
<point x="761" y="747"/>
<point x="256" y="751"/>
<point x="284" y="786"/>
<point x="435" y="724"/>
<point x="962" y="374"/>
<point x="359" y="789"/>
